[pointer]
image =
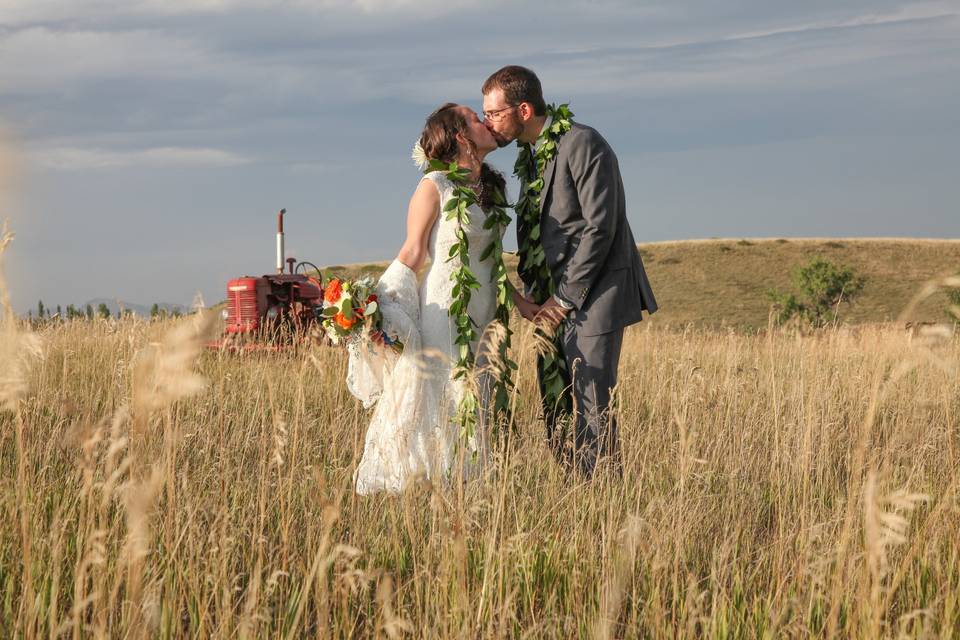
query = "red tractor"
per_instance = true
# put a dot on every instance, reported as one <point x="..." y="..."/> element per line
<point x="275" y="309"/>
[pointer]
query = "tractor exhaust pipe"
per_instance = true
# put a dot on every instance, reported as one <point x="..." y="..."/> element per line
<point x="280" y="256"/>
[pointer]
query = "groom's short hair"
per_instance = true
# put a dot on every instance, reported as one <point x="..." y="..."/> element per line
<point x="518" y="84"/>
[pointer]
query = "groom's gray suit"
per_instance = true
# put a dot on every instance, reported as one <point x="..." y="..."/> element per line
<point x="593" y="257"/>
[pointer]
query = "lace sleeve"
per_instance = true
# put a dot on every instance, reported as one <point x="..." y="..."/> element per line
<point x="441" y="183"/>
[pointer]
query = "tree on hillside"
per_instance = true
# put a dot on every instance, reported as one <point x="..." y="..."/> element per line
<point x="155" y="310"/>
<point x="822" y="287"/>
<point x="103" y="310"/>
<point x="89" y="312"/>
<point x="41" y="310"/>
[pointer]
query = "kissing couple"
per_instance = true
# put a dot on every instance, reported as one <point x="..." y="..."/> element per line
<point x="583" y="284"/>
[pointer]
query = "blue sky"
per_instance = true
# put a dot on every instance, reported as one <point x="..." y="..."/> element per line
<point x="149" y="143"/>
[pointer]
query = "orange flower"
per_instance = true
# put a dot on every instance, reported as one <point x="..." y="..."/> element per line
<point x="333" y="291"/>
<point x="343" y="322"/>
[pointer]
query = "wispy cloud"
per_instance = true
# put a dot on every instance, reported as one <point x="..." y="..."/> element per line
<point x="910" y="13"/>
<point x="74" y="56"/>
<point x="77" y="159"/>
<point x="25" y="12"/>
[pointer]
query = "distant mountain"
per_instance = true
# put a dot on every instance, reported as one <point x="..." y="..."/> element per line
<point x="138" y="309"/>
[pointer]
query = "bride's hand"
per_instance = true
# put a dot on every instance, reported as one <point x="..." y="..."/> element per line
<point x="378" y="338"/>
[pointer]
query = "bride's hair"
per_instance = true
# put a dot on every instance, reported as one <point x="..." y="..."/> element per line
<point x="439" y="142"/>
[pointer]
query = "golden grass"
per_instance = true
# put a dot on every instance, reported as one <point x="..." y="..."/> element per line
<point x="775" y="485"/>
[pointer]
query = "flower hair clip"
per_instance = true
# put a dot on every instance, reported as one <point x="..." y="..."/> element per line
<point x="419" y="157"/>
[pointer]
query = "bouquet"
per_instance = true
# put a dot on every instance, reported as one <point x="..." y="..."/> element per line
<point x="351" y="312"/>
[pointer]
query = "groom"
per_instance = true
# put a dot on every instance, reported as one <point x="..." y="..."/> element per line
<point x="599" y="281"/>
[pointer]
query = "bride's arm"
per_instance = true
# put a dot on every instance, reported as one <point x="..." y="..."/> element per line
<point x="421" y="214"/>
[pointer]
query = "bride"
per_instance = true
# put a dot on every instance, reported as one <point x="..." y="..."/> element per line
<point x="413" y="433"/>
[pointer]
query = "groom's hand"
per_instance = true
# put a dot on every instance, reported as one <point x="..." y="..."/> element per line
<point x="551" y="314"/>
<point x="528" y="310"/>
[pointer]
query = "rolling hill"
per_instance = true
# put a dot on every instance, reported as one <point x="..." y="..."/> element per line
<point x="723" y="282"/>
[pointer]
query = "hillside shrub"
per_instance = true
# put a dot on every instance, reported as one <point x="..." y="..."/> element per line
<point x="822" y="287"/>
<point x="953" y="304"/>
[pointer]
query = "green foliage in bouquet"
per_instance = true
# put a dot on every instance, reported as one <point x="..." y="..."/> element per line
<point x="350" y="309"/>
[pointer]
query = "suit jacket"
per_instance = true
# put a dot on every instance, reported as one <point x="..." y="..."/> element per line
<point x="586" y="239"/>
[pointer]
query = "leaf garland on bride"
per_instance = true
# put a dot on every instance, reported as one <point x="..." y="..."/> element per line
<point x="457" y="208"/>
<point x="533" y="266"/>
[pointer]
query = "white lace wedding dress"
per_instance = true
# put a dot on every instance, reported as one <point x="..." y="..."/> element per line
<point x="412" y="432"/>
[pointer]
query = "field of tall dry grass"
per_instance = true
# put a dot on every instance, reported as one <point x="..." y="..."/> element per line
<point x="775" y="485"/>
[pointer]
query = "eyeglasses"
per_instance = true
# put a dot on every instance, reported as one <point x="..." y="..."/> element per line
<point x="497" y="114"/>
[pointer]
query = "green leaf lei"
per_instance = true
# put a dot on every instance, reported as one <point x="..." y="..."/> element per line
<point x="464" y="282"/>
<point x="533" y="263"/>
